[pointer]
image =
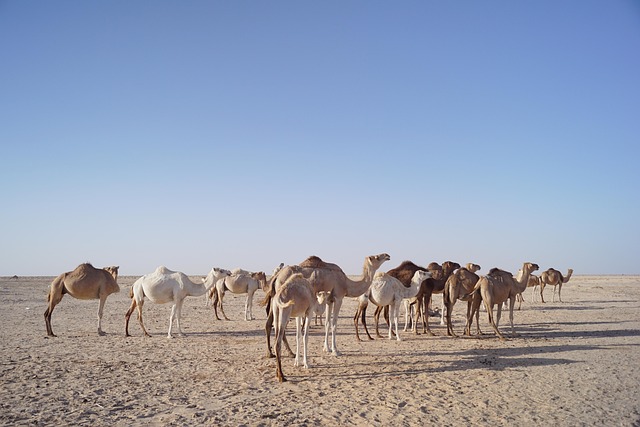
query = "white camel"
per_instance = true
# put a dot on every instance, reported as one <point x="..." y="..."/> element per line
<point x="295" y="298"/>
<point x="239" y="282"/>
<point x="387" y="290"/>
<point x="163" y="286"/>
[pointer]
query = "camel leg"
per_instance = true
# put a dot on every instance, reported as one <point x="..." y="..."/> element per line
<point x="171" y="317"/>
<point x="364" y="322"/>
<point x="449" y="308"/>
<point x="425" y="315"/>
<point x="55" y="296"/>
<point x="355" y="322"/>
<point x="444" y="304"/>
<point x="491" y="319"/>
<point x="559" y="290"/>
<point x="299" y="321"/>
<point x="512" y="303"/>
<point x="214" y="303"/>
<point x="220" y="297"/>
<point x="395" y="308"/>
<point x="103" y="299"/>
<point x="267" y="329"/>
<point x="179" y="316"/>
<point x="376" y="319"/>
<point x="250" y="304"/>
<point x="542" y="290"/>
<point x="334" y="326"/>
<point x="278" y="347"/>
<point x="139" y="304"/>
<point x="305" y="343"/>
<point x="127" y="316"/>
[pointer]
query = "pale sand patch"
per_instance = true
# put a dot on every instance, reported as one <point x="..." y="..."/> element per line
<point x="575" y="363"/>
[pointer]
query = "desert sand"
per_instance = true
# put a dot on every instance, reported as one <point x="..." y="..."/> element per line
<point x="573" y="363"/>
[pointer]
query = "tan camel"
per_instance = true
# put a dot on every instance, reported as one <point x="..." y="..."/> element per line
<point x="325" y="277"/>
<point x="85" y="282"/>
<point x="553" y="277"/>
<point x="461" y="282"/>
<point x="295" y="298"/>
<point x="240" y="282"/>
<point x="163" y="286"/>
<point x="495" y="288"/>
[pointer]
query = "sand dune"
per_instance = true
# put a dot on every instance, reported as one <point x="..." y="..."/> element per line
<point x="574" y="363"/>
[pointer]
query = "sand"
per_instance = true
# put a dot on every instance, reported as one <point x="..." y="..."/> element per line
<point x="574" y="363"/>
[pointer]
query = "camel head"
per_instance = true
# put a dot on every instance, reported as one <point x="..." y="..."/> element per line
<point x="436" y="270"/>
<point x="420" y="276"/>
<point x="215" y="274"/>
<point x="448" y="267"/>
<point x="113" y="270"/>
<point x="261" y="278"/>
<point x="472" y="267"/>
<point x="530" y="267"/>
<point x="375" y="261"/>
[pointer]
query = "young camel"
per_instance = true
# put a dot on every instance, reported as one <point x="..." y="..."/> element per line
<point x="163" y="286"/>
<point x="386" y="290"/>
<point x="554" y="278"/>
<point x="240" y="282"/>
<point x="325" y="277"/>
<point x="462" y="281"/>
<point x="495" y="288"/>
<point x="295" y="298"/>
<point x="85" y="282"/>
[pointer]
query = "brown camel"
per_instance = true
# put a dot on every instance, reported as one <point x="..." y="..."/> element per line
<point x="325" y="277"/>
<point x="553" y="277"/>
<point x="85" y="282"/>
<point x="534" y="282"/>
<point x="497" y="287"/>
<point x="461" y="282"/>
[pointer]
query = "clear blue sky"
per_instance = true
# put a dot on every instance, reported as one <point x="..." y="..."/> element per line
<point x="195" y="134"/>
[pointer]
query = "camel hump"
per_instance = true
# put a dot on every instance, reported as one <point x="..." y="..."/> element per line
<point x="496" y="272"/>
<point x="163" y="270"/>
<point x="313" y="262"/>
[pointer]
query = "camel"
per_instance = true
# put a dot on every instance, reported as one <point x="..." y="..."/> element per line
<point x="495" y="288"/>
<point x="85" y="282"/>
<point x="325" y="277"/>
<point x="295" y="298"/>
<point x="163" y="286"/>
<point x="240" y="282"/>
<point x="386" y="290"/>
<point x="553" y="277"/>
<point x="462" y="281"/>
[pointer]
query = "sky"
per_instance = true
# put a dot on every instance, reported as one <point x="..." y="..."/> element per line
<point x="200" y="134"/>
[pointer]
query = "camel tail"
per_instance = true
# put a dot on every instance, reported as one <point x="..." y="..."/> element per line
<point x="469" y="296"/>
<point x="131" y="292"/>
<point x="270" y="292"/>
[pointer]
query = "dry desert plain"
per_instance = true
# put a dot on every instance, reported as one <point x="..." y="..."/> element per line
<point x="573" y="363"/>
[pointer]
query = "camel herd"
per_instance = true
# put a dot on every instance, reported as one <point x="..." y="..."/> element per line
<point x="312" y="287"/>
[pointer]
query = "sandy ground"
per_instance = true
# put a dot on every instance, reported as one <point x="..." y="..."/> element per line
<point x="574" y="363"/>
